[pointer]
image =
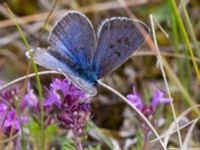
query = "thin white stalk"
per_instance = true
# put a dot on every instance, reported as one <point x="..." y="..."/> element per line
<point x="171" y="130"/>
<point x="27" y="76"/>
<point x="159" y="57"/>
<point x="136" y="109"/>
<point x="174" y="131"/>
<point x="188" y="136"/>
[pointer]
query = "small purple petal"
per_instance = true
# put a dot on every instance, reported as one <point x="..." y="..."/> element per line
<point x="48" y="102"/>
<point x="61" y="85"/>
<point x="24" y="119"/>
<point x="11" y="115"/>
<point x="3" y="107"/>
<point x="9" y="93"/>
<point x="135" y="99"/>
<point x="12" y="121"/>
<point x="53" y="98"/>
<point x="30" y="100"/>
<point x="56" y="84"/>
<point x="158" y="97"/>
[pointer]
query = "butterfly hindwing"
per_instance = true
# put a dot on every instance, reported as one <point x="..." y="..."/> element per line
<point x="74" y="36"/>
<point x="53" y="59"/>
<point x="118" y="39"/>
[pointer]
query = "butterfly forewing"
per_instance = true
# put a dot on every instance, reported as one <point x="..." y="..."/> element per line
<point x="53" y="59"/>
<point x="118" y="39"/>
<point x="74" y="36"/>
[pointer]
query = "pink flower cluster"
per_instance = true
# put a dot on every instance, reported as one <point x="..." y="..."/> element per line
<point x="148" y="110"/>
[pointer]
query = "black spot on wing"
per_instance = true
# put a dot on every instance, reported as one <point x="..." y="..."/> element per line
<point x="126" y="41"/>
<point x="111" y="46"/>
<point x="118" y="54"/>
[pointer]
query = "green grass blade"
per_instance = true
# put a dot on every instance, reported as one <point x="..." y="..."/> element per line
<point x="190" y="28"/>
<point x="185" y="36"/>
<point x="39" y="87"/>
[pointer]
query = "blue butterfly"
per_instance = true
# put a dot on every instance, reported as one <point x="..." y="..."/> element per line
<point x="76" y="51"/>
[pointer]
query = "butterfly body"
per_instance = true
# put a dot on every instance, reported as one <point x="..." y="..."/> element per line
<point x="84" y="57"/>
<point x="89" y="75"/>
